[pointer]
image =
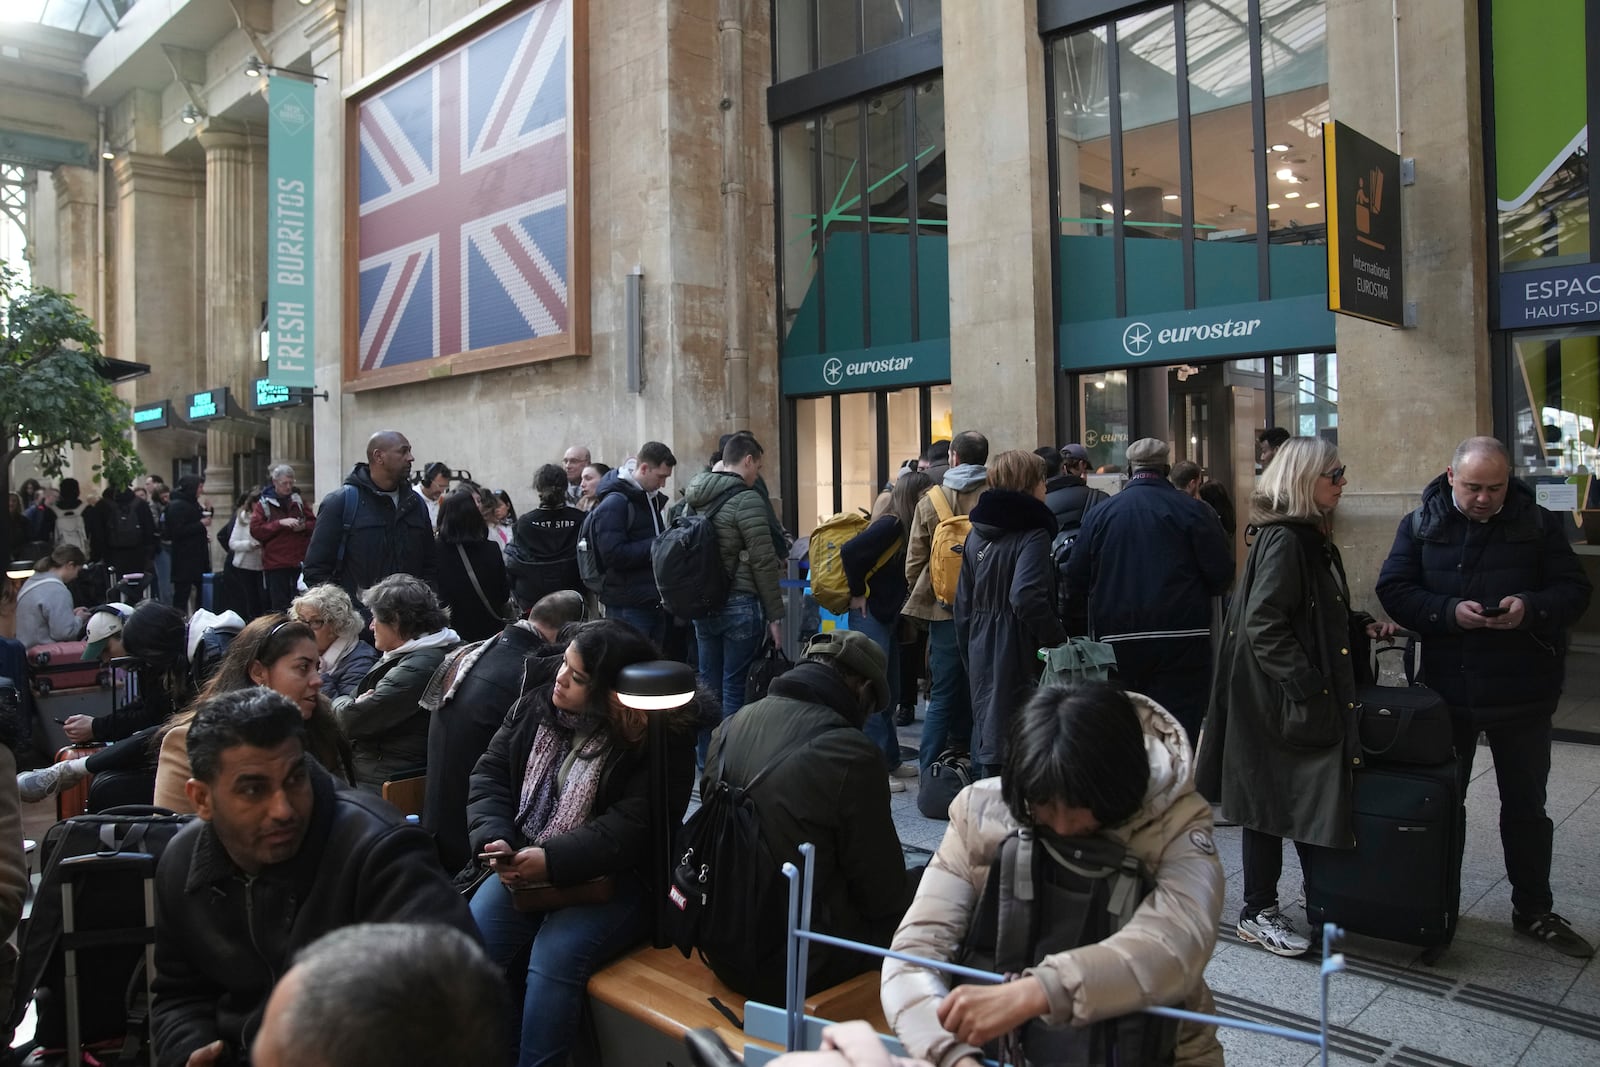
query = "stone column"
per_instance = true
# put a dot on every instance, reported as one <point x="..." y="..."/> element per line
<point x="291" y="444"/>
<point x="78" y="271"/>
<point x="1002" y="359"/>
<point x="235" y="179"/>
<point x="324" y="465"/>
<point x="1406" y="397"/>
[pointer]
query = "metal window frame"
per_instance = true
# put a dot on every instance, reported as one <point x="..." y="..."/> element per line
<point x="908" y="59"/>
<point x="1258" y="131"/>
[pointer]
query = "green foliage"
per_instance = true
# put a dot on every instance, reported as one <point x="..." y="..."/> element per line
<point x="52" y="395"/>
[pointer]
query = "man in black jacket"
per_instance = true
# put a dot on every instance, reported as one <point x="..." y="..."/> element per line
<point x="389" y="533"/>
<point x="625" y="522"/>
<point x="276" y="859"/>
<point x="187" y="526"/>
<point x="1490" y="581"/>
<point x="823" y="783"/>
<point x="1069" y="498"/>
<point x="1148" y="561"/>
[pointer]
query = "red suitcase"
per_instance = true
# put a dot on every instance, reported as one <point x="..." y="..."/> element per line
<point x="74" y="800"/>
<point x="61" y="666"/>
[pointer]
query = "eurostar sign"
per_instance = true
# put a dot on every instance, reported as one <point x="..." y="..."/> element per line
<point x="1296" y="324"/>
<point x="890" y="367"/>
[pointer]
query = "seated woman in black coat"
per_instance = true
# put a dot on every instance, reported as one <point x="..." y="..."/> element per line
<point x="562" y="797"/>
<point x="472" y="570"/>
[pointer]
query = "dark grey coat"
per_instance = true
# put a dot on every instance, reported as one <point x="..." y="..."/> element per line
<point x="1280" y="739"/>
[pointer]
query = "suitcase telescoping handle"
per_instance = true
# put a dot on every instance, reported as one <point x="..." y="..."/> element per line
<point x="75" y="869"/>
<point x="1408" y="652"/>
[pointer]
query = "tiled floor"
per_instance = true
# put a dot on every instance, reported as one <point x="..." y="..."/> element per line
<point x="1493" y="999"/>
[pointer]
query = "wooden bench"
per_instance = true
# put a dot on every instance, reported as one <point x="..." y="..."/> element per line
<point x="645" y="1002"/>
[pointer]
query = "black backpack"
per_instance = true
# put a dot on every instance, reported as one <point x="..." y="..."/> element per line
<point x="1084" y="889"/>
<point x="687" y="561"/>
<point x="125" y="532"/>
<point x="1061" y="546"/>
<point x="727" y="896"/>
<point x="591" y="568"/>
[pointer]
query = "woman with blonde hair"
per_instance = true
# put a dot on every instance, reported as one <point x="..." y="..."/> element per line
<point x="1005" y="601"/>
<point x="343" y="658"/>
<point x="1281" y="735"/>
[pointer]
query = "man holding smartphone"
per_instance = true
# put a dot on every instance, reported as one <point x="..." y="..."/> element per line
<point x="1490" y="581"/>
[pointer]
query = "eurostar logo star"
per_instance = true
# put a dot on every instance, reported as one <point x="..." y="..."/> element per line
<point x="1136" y="339"/>
<point x="833" y="372"/>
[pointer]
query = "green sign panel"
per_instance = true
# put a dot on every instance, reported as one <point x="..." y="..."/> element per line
<point x="271" y="394"/>
<point x="211" y="404"/>
<point x="290" y="224"/>
<point x="865" y="369"/>
<point x="150" y="417"/>
<point x="1540" y="106"/>
<point x="1296" y="324"/>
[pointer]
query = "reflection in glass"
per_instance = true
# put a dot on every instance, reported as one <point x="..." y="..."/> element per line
<point x="1294" y="67"/>
<point x="842" y="229"/>
<point x="1305" y="394"/>
<point x="1103" y="413"/>
<point x="1151" y="175"/>
<point x="799" y="251"/>
<point x="1222" y="157"/>
<point x="889" y="218"/>
<point x="838" y="23"/>
<point x="940" y="420"/>
<point x="792" y="28"/>
<point x="1083" y="126"/>
<point x="933" y="213"/>
<point x="905" y="430"/>
<point x="1555" y="407"/>
<point x="883" y="21"/>
<point x="813" y="461"/>
<point x="858" y="450"/>
<point x="925" y="15"/>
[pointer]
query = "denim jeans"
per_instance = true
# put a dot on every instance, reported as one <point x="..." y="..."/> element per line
<point x="729" y="641"/>
<point x="879" y="726"/>
<point x="1521" y="769"/>
<point x="652" y="622"/>
<point x="948" y="721"/>
<point x="568" y="946"/>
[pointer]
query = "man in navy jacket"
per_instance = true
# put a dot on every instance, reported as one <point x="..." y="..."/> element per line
<point x="1149" y="560"/>
<point x="626" y="522"/>
<point x="1490" y="581"/>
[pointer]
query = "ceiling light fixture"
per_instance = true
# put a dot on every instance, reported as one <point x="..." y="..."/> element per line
<point x="252" y="69"/>
<point x="1170" y="196"/>
<point x="1281" y="147"/>
<point x="1106" y="208"/>
<point x="106" y="152"/>
<point x="1285" y="174"/>
<point x="1273" y="207"/>
<point x="1291" y="195"/>
<point x="1313" y="204"/>
<point x="191" y="115"/>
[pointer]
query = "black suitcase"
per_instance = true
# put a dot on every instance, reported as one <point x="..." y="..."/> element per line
<point x="1404" y="724"/>
<point x="86" y="943"/>
<point x="1402" y="881"/>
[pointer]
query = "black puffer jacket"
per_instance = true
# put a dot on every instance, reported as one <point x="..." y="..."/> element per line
<point x="461" y="724"/>
<point x="1441" y="558"/>
<point x="223" y="938"/>
<point x="1005" y="610"/>
<point x="185" y="528"/>
<point x="827" y="787"/>
<point x="385" y="721"/>
<point x="383" y="540"/>
<point x="616" y="836"/>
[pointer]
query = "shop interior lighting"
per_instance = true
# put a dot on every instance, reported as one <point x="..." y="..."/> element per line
<point x="1291" y="195"/>
<point x="1285" y="174"/>
<point x="1281" y="147"/>
<point x="1170" y="196"/>
<point x="1313" y="204"/>
<point x="1273" y="207"/>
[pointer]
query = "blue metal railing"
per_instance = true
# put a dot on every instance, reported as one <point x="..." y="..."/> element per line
<point x="801" y="936"/>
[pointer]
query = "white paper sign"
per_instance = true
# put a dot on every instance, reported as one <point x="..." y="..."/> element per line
<point x="1560" y="497"/>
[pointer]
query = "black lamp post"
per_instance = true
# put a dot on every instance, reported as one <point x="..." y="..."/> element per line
<point x="656" y="686"/>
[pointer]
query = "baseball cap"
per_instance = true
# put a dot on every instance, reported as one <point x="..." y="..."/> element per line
<point x="1075" y="452"/>
<point x="19" y="570"/>
<point x="857" y="653"/>
<point x="1148" y="452"/>
<point x="104" y="624"/>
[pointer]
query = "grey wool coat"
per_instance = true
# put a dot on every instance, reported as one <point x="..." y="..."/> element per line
<point x="1280" y="741"/>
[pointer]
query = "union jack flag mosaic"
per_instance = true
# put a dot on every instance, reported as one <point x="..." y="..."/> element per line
<point x="463" y="194"/>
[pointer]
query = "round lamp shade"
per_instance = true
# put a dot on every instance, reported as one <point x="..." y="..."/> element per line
<point x="656" y="685"/>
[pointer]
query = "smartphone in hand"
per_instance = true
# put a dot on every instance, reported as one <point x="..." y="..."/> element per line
<point x="1491" y="613"/>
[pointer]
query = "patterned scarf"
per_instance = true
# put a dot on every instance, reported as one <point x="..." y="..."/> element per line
<point x="542" y="811"/>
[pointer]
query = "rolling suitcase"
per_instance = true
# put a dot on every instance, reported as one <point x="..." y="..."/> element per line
<point x="74" y="800"/>
<point x="1402" y="881"/>
<point x="61" y="666"/>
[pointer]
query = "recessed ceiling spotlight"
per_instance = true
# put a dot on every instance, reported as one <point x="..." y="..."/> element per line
<point x="1272" y="207"/>
<point x="1170" y="196"/>
<point x="1312" y="204"/>
<point x="1291" y="195"/>
<point x="1106" y="208"/>
<point x="1284" y="174"/>
<point x="1281" y="147"/>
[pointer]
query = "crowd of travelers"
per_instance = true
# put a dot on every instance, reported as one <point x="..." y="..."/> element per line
<point x="413" y="627"/>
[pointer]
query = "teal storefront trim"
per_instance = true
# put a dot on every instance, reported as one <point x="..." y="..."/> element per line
<point x="1294" y="324"/>
<point x="864" y="369"/>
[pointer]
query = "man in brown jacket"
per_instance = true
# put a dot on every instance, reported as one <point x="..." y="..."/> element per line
<point x="948" y="720"/>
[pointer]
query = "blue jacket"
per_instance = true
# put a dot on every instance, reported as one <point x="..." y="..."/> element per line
<point x="1149" y="560"/>
<point x="383" y="540"/>
<point x="625" y="523"/>
<point x="1442" y="558"/>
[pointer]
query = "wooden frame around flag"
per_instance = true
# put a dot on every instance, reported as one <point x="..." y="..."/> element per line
<point x="466" y="225"/>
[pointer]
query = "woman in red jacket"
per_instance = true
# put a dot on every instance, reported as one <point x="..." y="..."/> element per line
<point x="282" y="523"/>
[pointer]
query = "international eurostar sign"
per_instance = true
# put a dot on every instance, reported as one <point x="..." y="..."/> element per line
<point x="865" y="369"/>
<point x="1554" y="296"/>
<point x="1365" y="270"/>
<point x="290" y="224"/>
<point x="1292" y="324"/>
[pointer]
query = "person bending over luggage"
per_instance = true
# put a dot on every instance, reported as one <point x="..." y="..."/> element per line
<point x="45" y="614"/>
<point x="277" y="858"/>
<point x="281" y="655"/>
<point x="561" y="800"/>
<point x="153" y="634"/>
<point x="815" y="776"/>
<point x="385" y="720"/>
<point x="1279" y="735"/>
<point x="345" y="659"/>
<point x="1088" y="761"/>
<point x="384" y="994"/>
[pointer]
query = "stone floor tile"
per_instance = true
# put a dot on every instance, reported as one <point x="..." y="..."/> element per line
<point x="1557" y="1048"/>
<point x="1465" y="1040"/>
<point x="1261" y="1050"/>
<point x="1533" y="974"/>
<point x="1255" y="975"/>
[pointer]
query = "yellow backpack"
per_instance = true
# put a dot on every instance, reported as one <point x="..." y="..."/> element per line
<point x="829" y="586"/>
<point x="949" y="541"/>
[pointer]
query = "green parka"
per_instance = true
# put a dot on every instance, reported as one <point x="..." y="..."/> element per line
<point x="744" y="535"/>
<point x="1280" y="740"/>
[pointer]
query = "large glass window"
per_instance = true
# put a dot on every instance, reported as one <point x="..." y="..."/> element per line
<point x="812" y="34"/>
<point x="1152" y="184"/>
<point x="1305" y="394"/>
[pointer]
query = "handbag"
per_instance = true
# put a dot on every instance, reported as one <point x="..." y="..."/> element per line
<point x="941" y="780"/>
<point x="1079" y="660"/>
<point x="542" y="896"/>
<point x="770" y="662"/>
<point x="472" y="577"/>
<point x="1404" y="724"/>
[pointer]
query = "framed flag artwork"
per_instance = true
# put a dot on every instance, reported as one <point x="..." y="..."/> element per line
<point x="466" y="201"/>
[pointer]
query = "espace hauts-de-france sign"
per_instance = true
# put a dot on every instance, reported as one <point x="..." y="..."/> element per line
<point x="1293" y="324"/>
<point x="1553" y="296"/>
<point x="1363" y="195"/>
<point x="291" y="219"/>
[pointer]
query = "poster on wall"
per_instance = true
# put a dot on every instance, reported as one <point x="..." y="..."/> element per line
<point x="291" y="220"/>
<point x="467" y="202"/>
<point x="1365" y="271"/>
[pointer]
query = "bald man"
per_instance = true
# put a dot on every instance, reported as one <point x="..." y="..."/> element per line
<point x="573" y="461"/>
<point x="375" y="525"/>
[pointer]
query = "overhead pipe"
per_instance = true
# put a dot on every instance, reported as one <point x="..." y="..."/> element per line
<point x="735" y="305"/>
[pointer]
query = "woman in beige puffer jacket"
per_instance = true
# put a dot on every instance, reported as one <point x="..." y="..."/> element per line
<point x="1157" y="958"/>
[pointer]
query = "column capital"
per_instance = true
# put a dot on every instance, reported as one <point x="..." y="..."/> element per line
<point x="136" y="172"/>
<point x="221" y="136"/>
<point x="324" y="32"/>
<point x="74" y="185"/>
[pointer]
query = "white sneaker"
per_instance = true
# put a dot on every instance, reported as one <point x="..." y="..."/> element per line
<point x="1270" y="929"/>
<point x="36" y="785"/>
<point x="896" y="785"/>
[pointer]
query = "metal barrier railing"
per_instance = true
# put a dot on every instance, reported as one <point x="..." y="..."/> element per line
<point x="801" y="936"/>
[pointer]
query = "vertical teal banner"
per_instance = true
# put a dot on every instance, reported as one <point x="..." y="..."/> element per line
<point x="291" y="221"/>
